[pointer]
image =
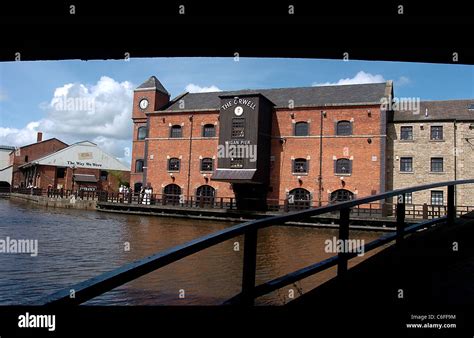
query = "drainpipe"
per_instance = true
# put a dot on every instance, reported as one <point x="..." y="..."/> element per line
<point x="189" y="157"/>
<point x="145" y="153"/>
<point x="320" y="177"/>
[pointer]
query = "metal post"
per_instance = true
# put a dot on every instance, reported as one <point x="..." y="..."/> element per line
<point x="249" y="268"/>
<point x="451" y="207"/>
<point x="400" y="218"/>
<point x="344" y="236"/>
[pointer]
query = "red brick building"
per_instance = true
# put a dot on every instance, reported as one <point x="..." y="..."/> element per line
<point x="54" y="164"/>
<point x="309" y="144"/>
<point x="31" y="152"/>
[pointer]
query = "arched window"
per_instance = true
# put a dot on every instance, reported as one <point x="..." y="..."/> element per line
<point x="209" y="130"/>
<point x="141" y="133"/>
<point x="171" y="194"/>
<point x="341" y="195"/>
<point x="205" y="195"/>
<point x="344" y="128"/>
<point x="207" y="164"/>
<point x="176" y="131"/>
<point x="300" y="166"/>
<point x="343" y="166"/>
<point x="301" y="129"/>
<point x="174" y="164"/>
<point x="299" y="198"/>
<point x="139" y="166"/>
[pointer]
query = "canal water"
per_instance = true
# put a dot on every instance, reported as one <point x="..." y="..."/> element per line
<point x="74" y="245"/>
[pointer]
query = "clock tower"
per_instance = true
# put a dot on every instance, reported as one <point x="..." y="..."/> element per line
<point x="148" y="97"/>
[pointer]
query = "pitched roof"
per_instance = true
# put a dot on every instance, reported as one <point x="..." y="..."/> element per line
<point x="48" y="140"/>
<point x="447" y="110"/>
<point x="96" y="158"/>
<point x="319" y="96"/>
<point x="153" y="83"/>
<point x="2" y="147"/>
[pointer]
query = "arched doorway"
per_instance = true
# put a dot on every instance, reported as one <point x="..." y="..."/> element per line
<point x="137" y="187"/>
<point x="341" y="195"/>
<point x="205" y="196"/>
<point x="171" y="194"/>
<point x="4" y="186"/>
<point x="299" y="198"/>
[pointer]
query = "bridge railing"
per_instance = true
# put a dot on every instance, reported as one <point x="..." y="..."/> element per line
<point x="98" y="285"/>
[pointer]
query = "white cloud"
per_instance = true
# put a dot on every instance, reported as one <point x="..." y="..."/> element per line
<point x="19" y="137"/>
<point x="192" y="88"/>
<point x="100" y="113"/>
<point x="402" y="81"/>
<point x="360" y="78"/>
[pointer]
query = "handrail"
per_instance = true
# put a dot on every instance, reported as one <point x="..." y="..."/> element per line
<point x="90" y="288"/>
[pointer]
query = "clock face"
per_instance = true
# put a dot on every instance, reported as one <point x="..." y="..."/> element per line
<point x="143" y="104"/>
<point x="238" y="111"/>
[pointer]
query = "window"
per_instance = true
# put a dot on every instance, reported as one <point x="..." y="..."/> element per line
<point x="176" y="131"/>
<point x="139" y="166"/>
<point x="437" y="197"/>
<point x="408" y="198"/>
<point x="173" y="164"/>
<point x="207" y="164"/>
<point x="238" y="127"/>
<point x="60" y="172"/>
<point x="300" y="165"/>
<point x="26" y="158"/>
<point x="406" y="164"/>
<point x="436" y="132"/>
<point x="171" y="194"/>
<point x="236" y="163"/>
<point x="343" y="166"/>
<point x="406" y="133"/>
<point x="437" y="164"/>
<point x="209" y="130"/>
<point x="344" y="128"/>
<point x="205" y="195"/>
<point x="104" y="175"/>
<point x="341" y="195"/>
<point x="301" y="129"/>
<point x="299" y="198"/>
<point x="141" y="133"/>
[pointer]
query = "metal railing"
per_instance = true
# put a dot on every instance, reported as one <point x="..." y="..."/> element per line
<point x="96" y="286"/>
<point x="58" y="193"/>
<point x="370" y="210"/>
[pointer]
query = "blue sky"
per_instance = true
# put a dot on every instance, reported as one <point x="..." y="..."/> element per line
<point x="26" y="88"/>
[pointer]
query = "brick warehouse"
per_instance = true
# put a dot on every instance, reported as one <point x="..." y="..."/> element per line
<point x="176" y="143"/>
<point x="54" y="164"/>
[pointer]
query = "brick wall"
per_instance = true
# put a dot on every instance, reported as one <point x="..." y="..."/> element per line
<point x="364" y="180"/>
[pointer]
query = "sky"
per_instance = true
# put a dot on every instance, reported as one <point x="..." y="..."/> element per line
<point x="34" y="95"/>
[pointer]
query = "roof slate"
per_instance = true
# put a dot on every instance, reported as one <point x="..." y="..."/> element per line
<point x="318" y="96"/>
<point x="153" y="83"/>
<point x="448" y="110"/>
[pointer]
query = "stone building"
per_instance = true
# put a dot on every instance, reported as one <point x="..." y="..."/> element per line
<point x="432" y="145"/>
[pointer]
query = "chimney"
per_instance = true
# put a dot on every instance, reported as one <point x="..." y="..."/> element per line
<point x="39" y="137"/>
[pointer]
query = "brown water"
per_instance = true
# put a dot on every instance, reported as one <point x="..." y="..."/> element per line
<point x="77" y="245"/>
